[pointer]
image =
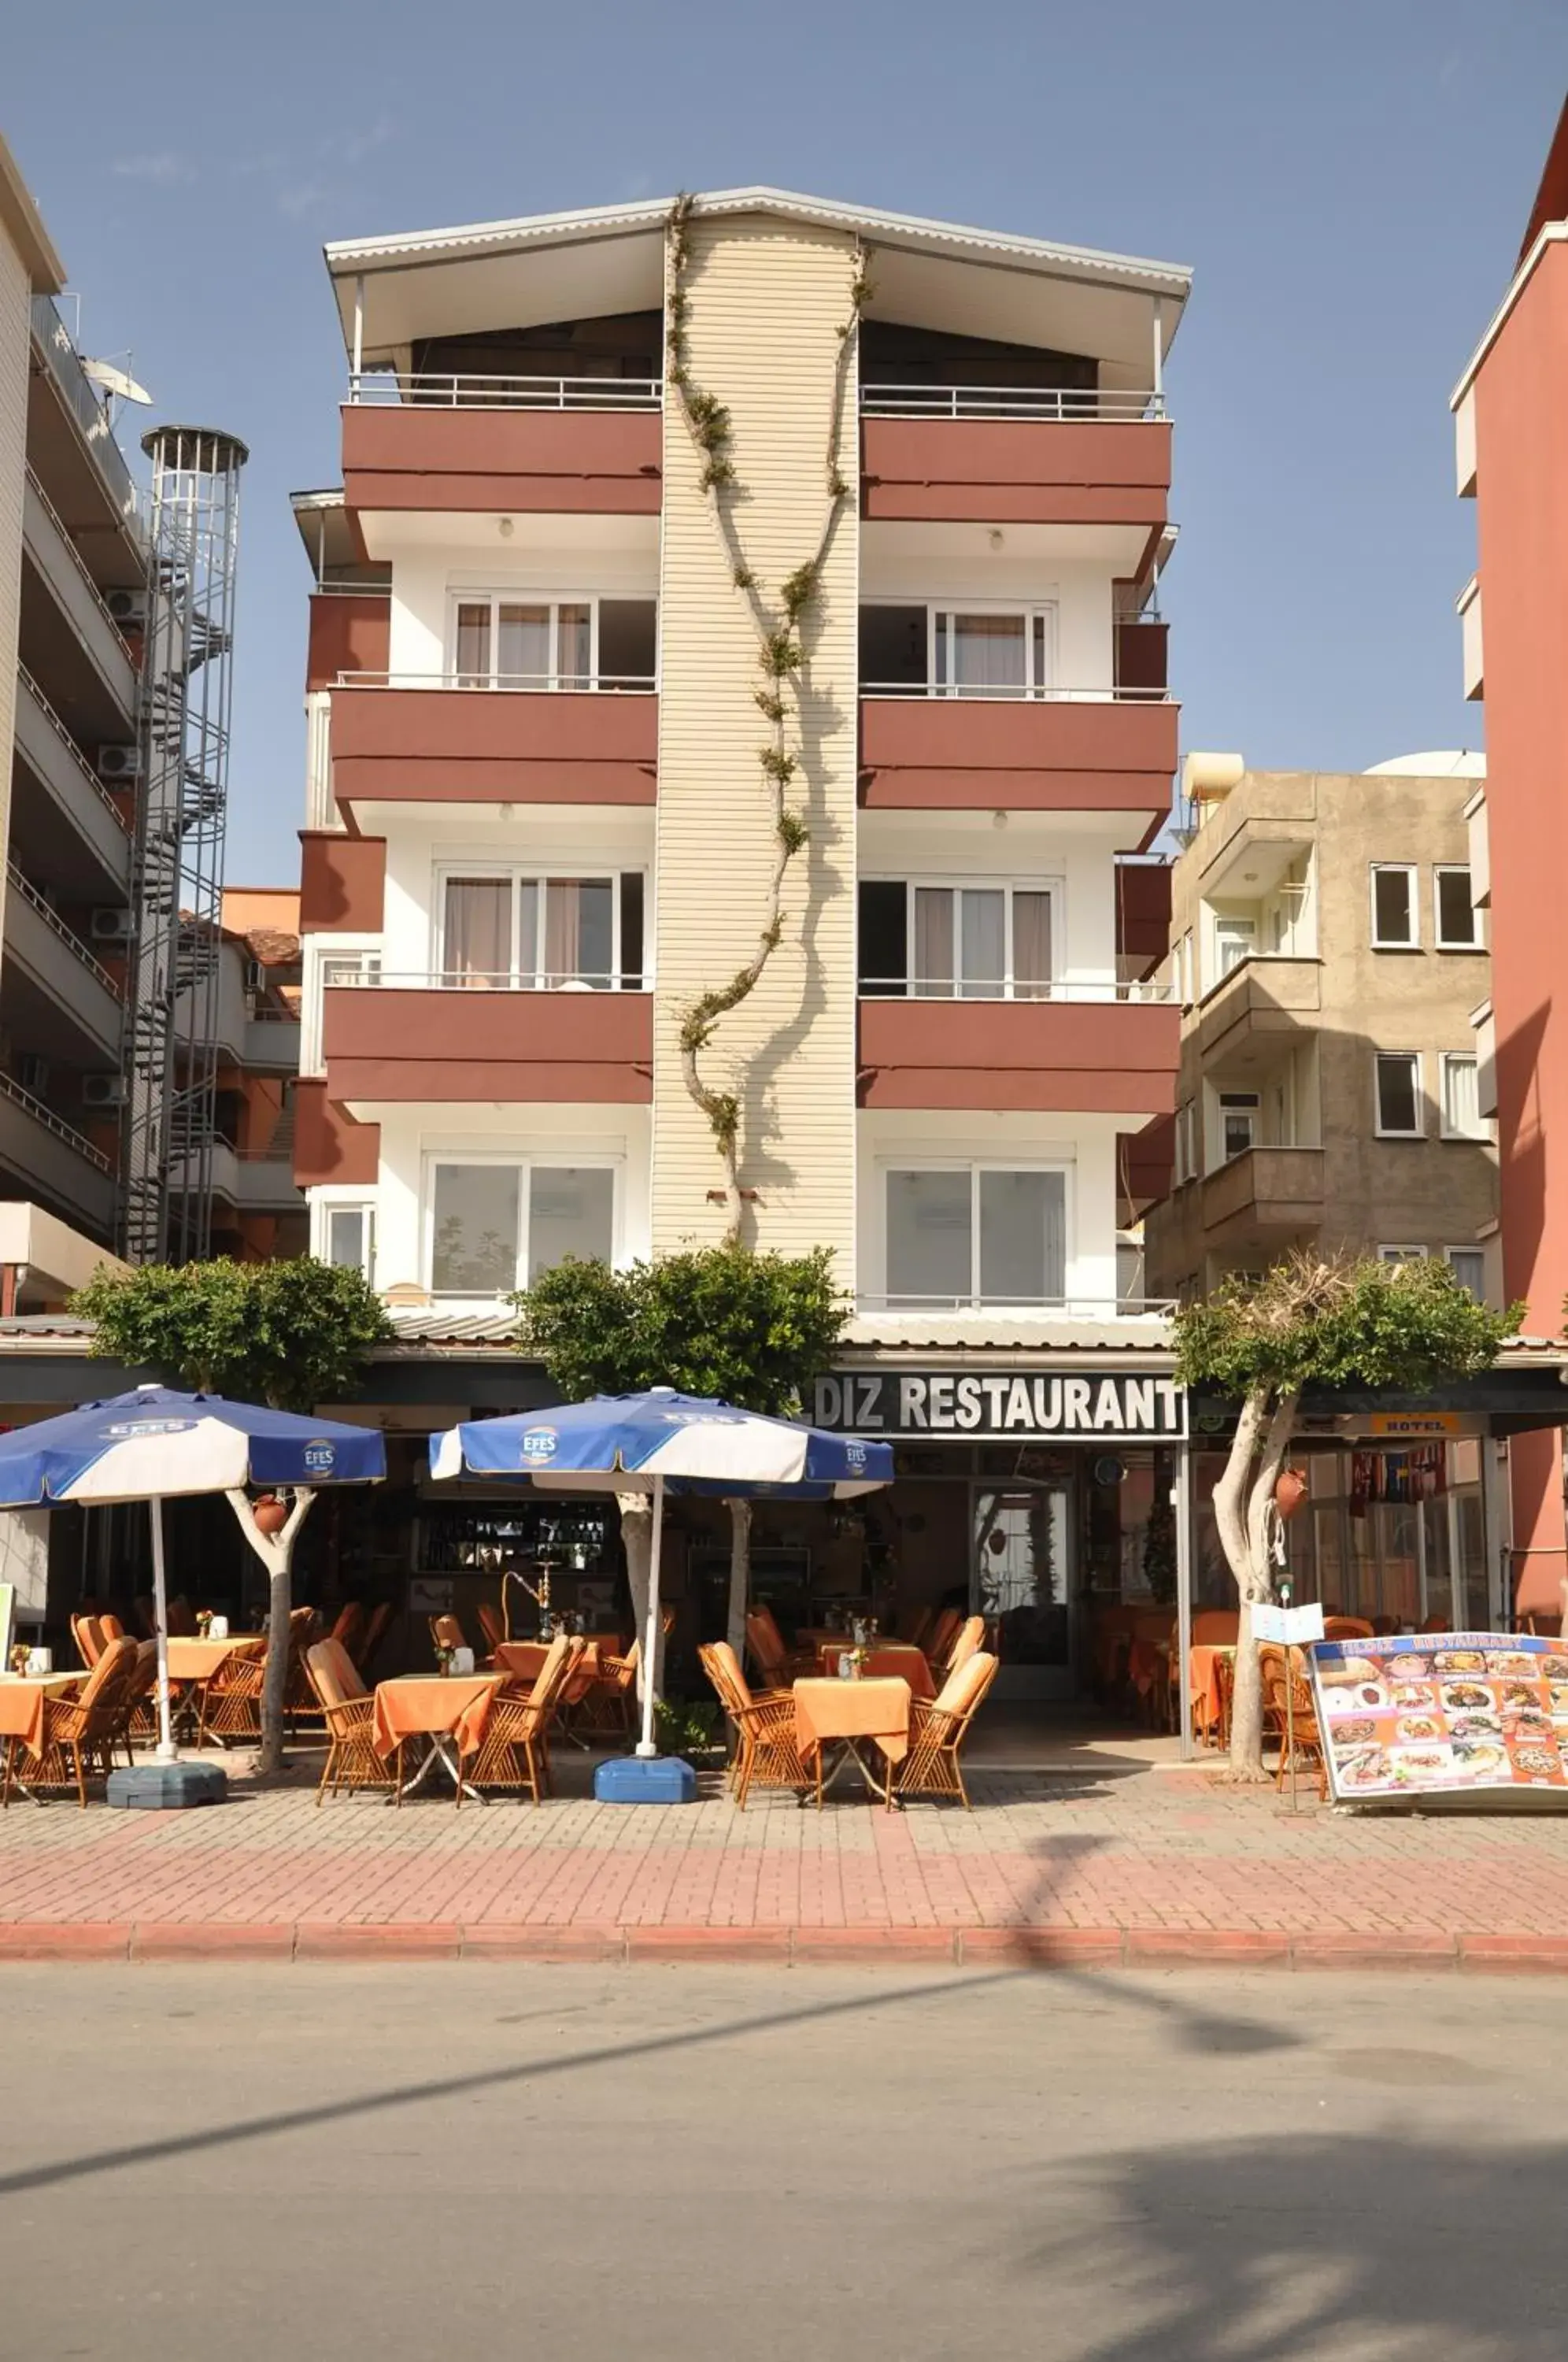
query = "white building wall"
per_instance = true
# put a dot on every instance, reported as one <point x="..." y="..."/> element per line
<point x="1072" y="852"/>
<point x="428" y="580"/>
<point x="911" y="572"/>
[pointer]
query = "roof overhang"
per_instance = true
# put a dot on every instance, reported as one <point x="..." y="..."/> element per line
<point x="605" y="260"/>
<point x="21" y="219"/>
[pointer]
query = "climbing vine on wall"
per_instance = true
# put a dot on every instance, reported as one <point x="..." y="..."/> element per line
<point x="779" y="621"/>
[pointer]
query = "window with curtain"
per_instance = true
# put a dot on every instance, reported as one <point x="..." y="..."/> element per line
<point x="478" y="922"/>
<point x="494" y="1227"/>
<point x="975" y="1234"/>
<point x="980" y="943"/>
<point x="557" y="933"/>
<point x="500" y="643"/>
<point x="984" y="654"/>
<point x="1461" y="1118"/>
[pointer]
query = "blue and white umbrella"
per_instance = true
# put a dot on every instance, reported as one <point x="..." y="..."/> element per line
<point x="154" y="1444"/>
<point x="659" y="1442"/>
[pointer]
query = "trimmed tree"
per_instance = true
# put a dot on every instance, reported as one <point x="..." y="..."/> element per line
<point x="1310" y="1321"/>
<point x="753" y="1329"/>
<point x="292" y="1334"/>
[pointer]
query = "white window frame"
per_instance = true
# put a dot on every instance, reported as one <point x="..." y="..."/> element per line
<point x="1410" y="872"/>
<point x="1240" y="1105"/>
<point x="1380" y="1130"/>
<point x="515" y="595"/>
<point x="1007" y="888"/>
<point x="319" y="954"/>
<point x="1473" y="942"/>
<point x="1446" y="1058"/>
<point x="1235" y="921"/>
<point x="551" y="1158"/>
<point x="1040" y="656"/>
<point x="342" y="1199"/>
<point x="1396" y="1257"/>
<point x="913" y="1161"/>
<point x="536" y="873"/>
<point x="1479" y="1252"/>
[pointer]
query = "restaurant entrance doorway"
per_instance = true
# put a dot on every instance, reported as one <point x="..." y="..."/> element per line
<point x="1021" y="1579"/>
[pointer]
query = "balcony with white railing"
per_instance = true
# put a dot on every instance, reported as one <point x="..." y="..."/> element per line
<point x="46" y="963"/>
<point x="512" y="444"/>
<point x="72" y="642"/>
<point x="54" y="1161"/>
<point x="87" y="411"/>
<point x="75" y="809"/>
<point x="1002" y="454"/>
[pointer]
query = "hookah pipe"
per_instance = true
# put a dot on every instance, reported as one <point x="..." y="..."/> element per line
<point x="541" y="1597"/>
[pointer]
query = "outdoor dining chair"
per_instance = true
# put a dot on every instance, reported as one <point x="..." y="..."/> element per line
<point x="490" y="1624"/>
<point x="938" y="1728"/>
<point x="943" y="1632"/>
<point x="89" y="1639"/>
<point x="970" y="1635"/>
<point x="767" y="1753"/>
<point x="347" y="1709"/>
<point x="364" y="1652"/>
<point x="447" y="1632"/>
<point x="139" y="1711"/>
<point x="231" y="1701"/>
<point x="350" y="1623"/>
<point x="78" y="1733"/>
<point x="764" y="1644"/>
<point x="515" y="1749"/>
<point x="1346" y="1627"/>
<point x="1292" y="1715"/>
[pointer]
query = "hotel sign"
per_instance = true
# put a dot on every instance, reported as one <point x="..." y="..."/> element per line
<point x="912" y="1404"/>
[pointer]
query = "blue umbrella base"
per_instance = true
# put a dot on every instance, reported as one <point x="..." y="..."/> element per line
<point x="644" y="1780"/>
<point x="167" y="1787"/>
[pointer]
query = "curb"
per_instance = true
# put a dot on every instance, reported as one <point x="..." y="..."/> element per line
<point x="150" y="1942"/>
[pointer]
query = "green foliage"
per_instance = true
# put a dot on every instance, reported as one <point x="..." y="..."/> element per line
<point x="293" y="1334"/>
<point x="777" y="764"/>
<point x="792" y="829"/>
<point x="685" y="1729"/>
<point x="780" y="655"/>
<point x="797" y="589"/>
<point x="1404" y="1325"/>
<point x="755" y="1329"/>
<point x="767" y="701"/>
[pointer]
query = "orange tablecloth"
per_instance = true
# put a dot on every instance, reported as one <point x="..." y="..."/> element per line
<point x="22" y="1699"/>
<point x="423" y="1705"/>
<point x="1203" y="1682"/>
<point x="200" y="1660"/>
<point x="890" y="1660"/>
<point x="522" y="1660"/>
<point x="877" y="1710"/>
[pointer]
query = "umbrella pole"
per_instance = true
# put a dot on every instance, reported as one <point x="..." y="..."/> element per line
<point x="167" y="1751"/>
<point x="645" y="1745"/>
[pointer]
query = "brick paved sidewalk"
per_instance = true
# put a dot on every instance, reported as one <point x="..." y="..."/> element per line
<point x="1098" y="1867"/>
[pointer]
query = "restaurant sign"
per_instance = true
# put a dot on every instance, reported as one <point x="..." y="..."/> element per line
<point x="1442" y="1712"/>
<point x="1098" y="1409"/>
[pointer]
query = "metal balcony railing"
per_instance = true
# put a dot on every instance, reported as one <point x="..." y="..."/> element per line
<point x="72" y="748"/>
<point x="535" y="683"/>
<point x="1071" y="1308"/>
<point x="420" y="388"/>
<point x="469" y="981"/>
<point x="77" y="560"/>
<point x="52" y="920"/>
<point x="1018" y="692"/>
<point x="52" y="1123"/>
<point x="1102" y="403"/>
<point x="86" y="404"/>
<point x="1016" y="987"/>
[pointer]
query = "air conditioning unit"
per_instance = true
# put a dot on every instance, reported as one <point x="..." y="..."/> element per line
<point x="127" y="606"/>
<point x="32" y="1072"/>
<point x="119" y="762"/>
<point x="103" y="1090"/>
<point x="110" y="924"/>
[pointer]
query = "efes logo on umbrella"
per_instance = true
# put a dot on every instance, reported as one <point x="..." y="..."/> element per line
<point x="320" y="1457"/>
<point x="539" y="1444"/>
<point x="855" y="1452"/>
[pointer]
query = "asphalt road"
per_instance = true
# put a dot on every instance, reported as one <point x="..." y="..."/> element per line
<point x="238" y="2164"/>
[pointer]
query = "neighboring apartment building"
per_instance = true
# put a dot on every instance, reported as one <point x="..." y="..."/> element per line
<point x="258" y="1211"/>
<point x="1511" y="440"/>
<point x="1327" y="954"/>
<point x="537" y="825"/>
<point x="73" y="562"/>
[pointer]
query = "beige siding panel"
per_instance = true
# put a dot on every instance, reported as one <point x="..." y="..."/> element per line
<point x="15" y="296"/>
<point x="768" y="300"/>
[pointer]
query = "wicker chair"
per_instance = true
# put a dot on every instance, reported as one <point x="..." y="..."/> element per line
<point x="140" y="1713"/>
<point x="969" y="1638"/>
<point x="776" y="1665"/>
<point x="1288" y="1695"/>
<point x="375" y="1632"/>
<point x="348" y="1708"/>
<point x="111" y="1628"/>
<point x="767" y="1755"/>
<point x="938" y="1728"/>
<point x="350" y="1623"/>
<point x="944" y="1633"/>
<point x="87" y="1633"/>
<point x="1346" y="1627"/>
<point x="515" y="1749"/>
<point x="78" y="1732"/>
<point x="231" y="1701"/>
<point x="490" y="1624"/>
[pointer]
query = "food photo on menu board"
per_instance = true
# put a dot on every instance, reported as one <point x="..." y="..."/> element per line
<point x="1442" y="1711"/>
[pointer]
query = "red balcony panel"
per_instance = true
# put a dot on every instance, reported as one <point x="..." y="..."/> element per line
<point x="328" y="1144"/>
<point x="971" y="754"/>
<point x="476" y="745"/>
<point x="349" y="633"/>
<point x="1017" y="471"/>
<point x="342" y="883"/>
<point x="1110" y="1057"/>
<point x="1143" y="912"/>
<point x="411" y="456"/>
<point x="403" y="1042"/>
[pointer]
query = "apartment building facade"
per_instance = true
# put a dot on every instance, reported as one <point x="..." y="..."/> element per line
<point x="1511" y="450"/>
<point x="72" y="570"/>
<point x="1327" y="952"/>
<point x="539" y="831"/>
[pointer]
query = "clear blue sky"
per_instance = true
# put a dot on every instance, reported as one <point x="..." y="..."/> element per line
<point x="1349" y="182"/>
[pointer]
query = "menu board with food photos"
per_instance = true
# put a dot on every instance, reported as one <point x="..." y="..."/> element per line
<point x="1442" y="1711"/>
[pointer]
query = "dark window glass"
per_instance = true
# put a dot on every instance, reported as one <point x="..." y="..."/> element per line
<point x="631" y="930"/>
<point x="1456" y="914"/>
<point x="884" y="938"/>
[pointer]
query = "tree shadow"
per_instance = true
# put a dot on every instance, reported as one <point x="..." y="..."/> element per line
<point x="1370" y="2245"/>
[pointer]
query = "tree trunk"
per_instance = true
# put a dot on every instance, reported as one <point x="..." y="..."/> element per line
<point x="636" y="1541"/>
<point x="740" y="1576"/>
<point x="276" y="1552"/>
<point x="1242" y="1498"/>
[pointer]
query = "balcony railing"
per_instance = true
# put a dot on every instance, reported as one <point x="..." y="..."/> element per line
<point x="1010" y="987"/>
<point x="462" y="980"/>
<point x="52" y="1123"/>
<point x="1015" y="692"/>
<point x="525" y="683"/>
<point x="84" y="399"/>
<point x="438" y="391"/>
<point x="51" y="919"/>
<point x="72" y="748"/>
<point x="1070" y="1307"/>
<point x="68" y="537"/>
<point x="1102" y="403"/>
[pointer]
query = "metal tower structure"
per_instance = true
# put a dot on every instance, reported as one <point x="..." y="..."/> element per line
<point x="170" y="1065"/>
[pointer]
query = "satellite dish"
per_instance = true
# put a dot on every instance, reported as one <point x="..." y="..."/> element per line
<point x="114" y="381"/>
